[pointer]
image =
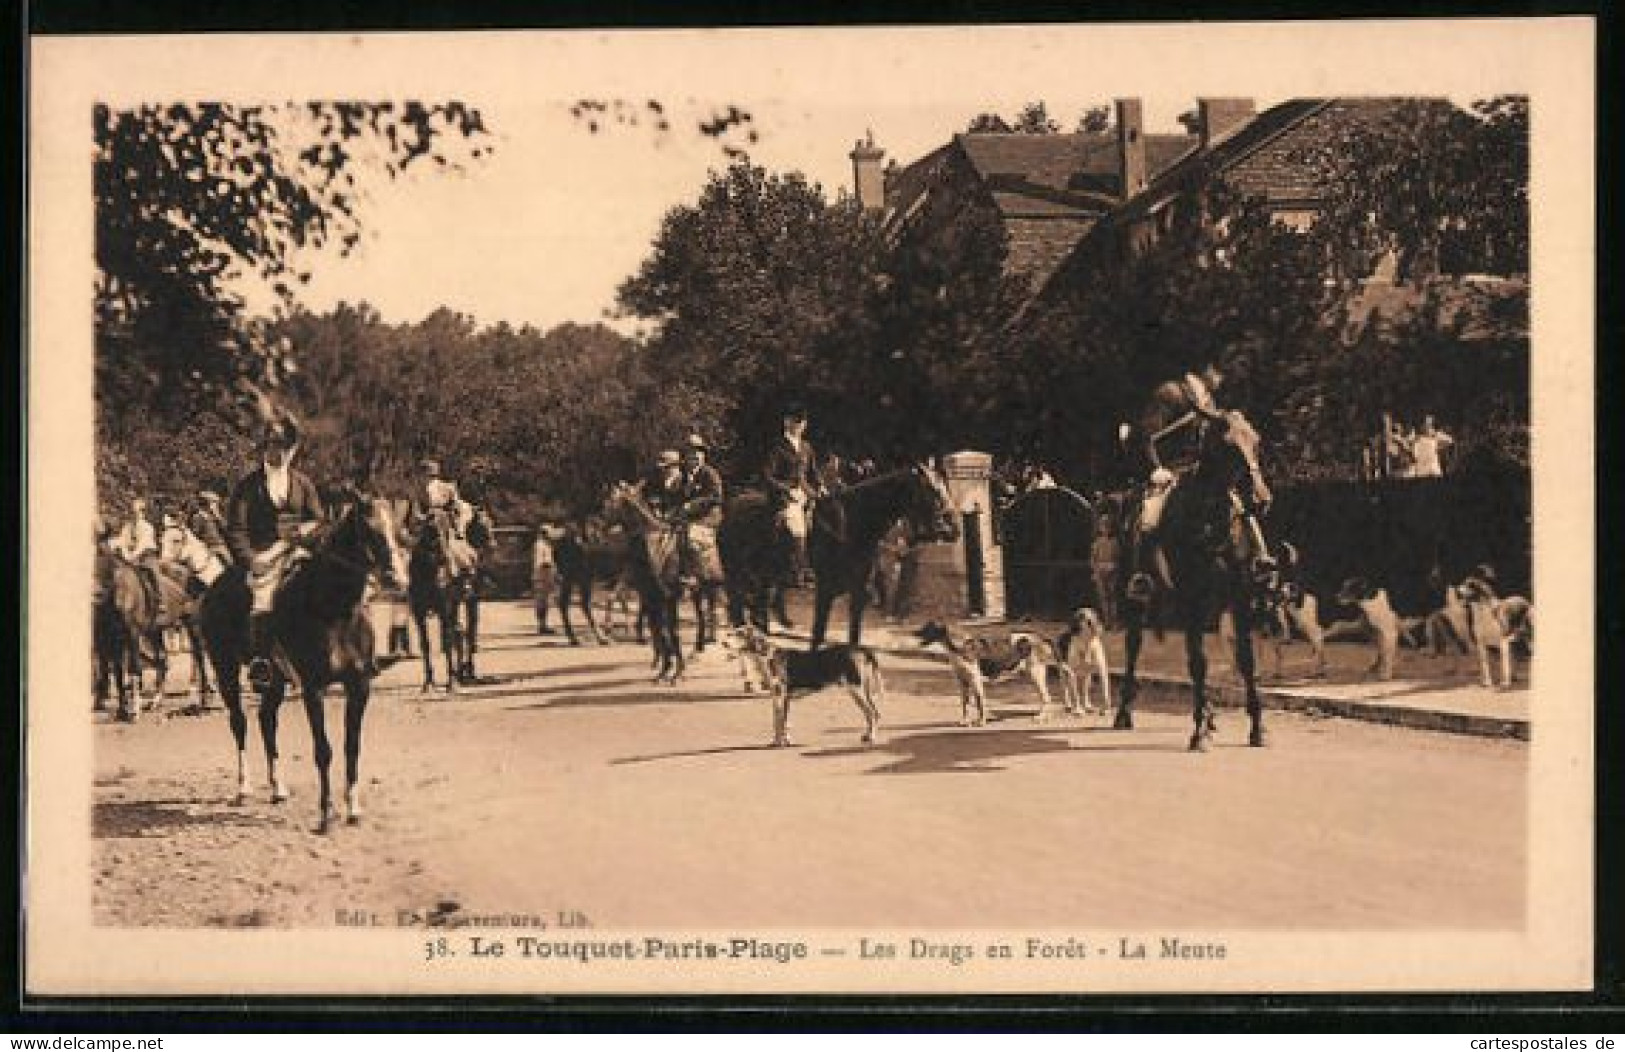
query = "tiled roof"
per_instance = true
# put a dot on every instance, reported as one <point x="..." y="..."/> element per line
<point x="1072" y="162"/>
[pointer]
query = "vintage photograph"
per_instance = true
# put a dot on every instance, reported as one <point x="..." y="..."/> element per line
<point x="1055" y="509"/>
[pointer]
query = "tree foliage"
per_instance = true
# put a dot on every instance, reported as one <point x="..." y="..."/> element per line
<point x="193" y="200"/>
<point x="1444" y="189"/>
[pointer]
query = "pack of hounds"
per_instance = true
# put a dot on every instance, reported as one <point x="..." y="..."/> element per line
<point x="1472" y="616"/>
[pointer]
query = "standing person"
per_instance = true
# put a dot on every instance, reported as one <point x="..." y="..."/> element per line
<point x="1103" y="558"/>
<point x="544" y="576"/>
<point x="1427" y="449"/>
<point x="272" y="509"/>
<point x="791" y="476"/>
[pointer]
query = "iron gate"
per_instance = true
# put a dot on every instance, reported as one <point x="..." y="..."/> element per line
<point x="1046" y="535"/>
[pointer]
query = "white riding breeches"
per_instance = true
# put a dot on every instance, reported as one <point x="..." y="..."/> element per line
<point x="794" y="516"/>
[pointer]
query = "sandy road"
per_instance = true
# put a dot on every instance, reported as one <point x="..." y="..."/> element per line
<point x="575" y="785"/>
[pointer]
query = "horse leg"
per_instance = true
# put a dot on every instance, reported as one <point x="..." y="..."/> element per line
<point x="448" y="641"/>
<point x="823" y="602"/>
<point x="856" y="601"/>
<point x="471" y="636"/>
<point x="1133" y="638"/>
<point x="1245" y="667"/>
<point x="356" y="691"/>
<point x="674" y="636"/>
<point x="568" y="592"/>
<point x="421" y="617"/>
<point x="270" y="703"/>
<point x="1201" y="705"/>
<point x="322" y="749"/>
<point x="200" y="664"/>
<point x="225" y="668"/>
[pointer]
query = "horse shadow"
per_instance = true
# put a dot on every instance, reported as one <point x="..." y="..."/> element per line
<point x="961" y="751"/>
<point x="587" y="696"/>
<point x="140" y="819"/>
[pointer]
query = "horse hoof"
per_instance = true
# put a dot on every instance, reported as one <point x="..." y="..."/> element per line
<point x="782" y="743"/>
<point x="279" y="795"/>
<point x="354" y="819"/>
<point x="1124" y="721"/>
<point x="1258" y="739"/>
<point x="1199" y="743"/>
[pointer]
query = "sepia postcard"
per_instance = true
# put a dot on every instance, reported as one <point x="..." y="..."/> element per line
<point x="901" y="510"/>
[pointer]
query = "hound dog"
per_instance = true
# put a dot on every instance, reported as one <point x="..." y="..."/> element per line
<point x="1387" y="627"/>
<point x="1083" y="649"/>
<point x="1284" y="608"/>
<point x="977" y="661"/>
<point x="1495" y="623"/>
<point x="788" y="673"/>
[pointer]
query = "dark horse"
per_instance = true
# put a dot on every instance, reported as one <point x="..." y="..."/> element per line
<point x="124" y="618"/>
<point x="847" y="529"/>
<point x="587" y="557"/>
<point x="656" y="567"/>
<point x="434" y="586"/>
<point x="321" y="636"/>
<point x="1212" y="558"/>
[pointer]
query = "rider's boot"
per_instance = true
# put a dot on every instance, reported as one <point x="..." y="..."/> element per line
<point x="259" y="645"/>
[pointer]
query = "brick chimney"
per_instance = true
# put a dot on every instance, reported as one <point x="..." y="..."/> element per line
<point x="867" y="175"/>
<point x="1218" y="119"/>
<point x="1131" y="146"/>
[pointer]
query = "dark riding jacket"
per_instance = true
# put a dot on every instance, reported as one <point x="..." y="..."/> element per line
<point x="254" y="522"/>
<point x="664" y="498"/>
<point x="789" y="468"/>
<point x="702" y="492"/>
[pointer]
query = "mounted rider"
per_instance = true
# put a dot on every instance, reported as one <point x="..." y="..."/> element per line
<point x="1173" y="430"/>
<point x="700" y="513"/>
<point x="661" y="487"/>
<point x="273" y="512"/>
<point x="208" y="523"/>
<point x="793" y="481"/>
<point x="437" y="503"/>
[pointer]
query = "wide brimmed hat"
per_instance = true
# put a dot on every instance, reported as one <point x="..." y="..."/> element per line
<point x="696" y="442"/>
<point x="795" y="411"/>
<point x="669" y="459"/>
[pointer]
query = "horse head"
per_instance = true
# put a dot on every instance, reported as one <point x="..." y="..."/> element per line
<point x="931" y="514"/>
<point x="1235" y="445"/>
<point x="366" y="531"/>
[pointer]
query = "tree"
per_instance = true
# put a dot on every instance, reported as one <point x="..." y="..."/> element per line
<point x="758" y="291"/>
<point x="1096" y="120"/>
<point x="193" y="200"/>
<point x="987" y="123"/>
<point x="1446" y="190"/>
<point x="1034" y="119"/>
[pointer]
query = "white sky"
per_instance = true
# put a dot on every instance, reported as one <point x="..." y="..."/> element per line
<point x="545" y="230"/>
